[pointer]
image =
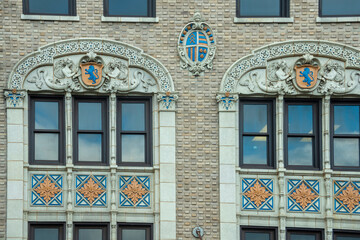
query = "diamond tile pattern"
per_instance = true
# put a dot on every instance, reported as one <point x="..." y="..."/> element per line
<point x="347" y="197"/>
<point x="46" y="190"/>
<point x="303" y="195"/>
<point x="91" y="190"/>
<point x="134" y="191"/>
<point x="257" y="194"/>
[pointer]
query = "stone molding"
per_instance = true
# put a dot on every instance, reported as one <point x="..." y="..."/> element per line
<point x="250" y="74"/>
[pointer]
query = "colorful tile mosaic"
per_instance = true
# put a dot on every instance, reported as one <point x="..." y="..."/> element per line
<point x="347" y="197"/>
<point x="46" y="190"/>
<point x="91" y="190"/>
<point x="303" y="195"/>
<point x="134" y="191"/>
<point x="257" y="194"/>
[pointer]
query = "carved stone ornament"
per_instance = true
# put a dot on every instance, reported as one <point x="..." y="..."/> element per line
<point x="227" y="101"/>
<point x="82" y="65"/>
<point x="299" y="67"/>
<point x="14" y="98"/>
<point x="196" y="46"/>
<point x="167" y="101"/>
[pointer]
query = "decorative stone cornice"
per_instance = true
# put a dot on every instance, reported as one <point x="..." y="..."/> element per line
<point x="270" y="69"/>
<point x="14" y="98"/>
<point x="167" y="101"/>
<point x="55" y="67"/>
<point x="226" y="101"/>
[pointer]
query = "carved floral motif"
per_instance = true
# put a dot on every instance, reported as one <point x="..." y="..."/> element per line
<point x="134" y="191"/>
<point x="257" y="194"/>
<point x="47" y="190"/>
<point x="350" y="197"/>
<point x="91" y="190"/>
<point x="303" y="195"/>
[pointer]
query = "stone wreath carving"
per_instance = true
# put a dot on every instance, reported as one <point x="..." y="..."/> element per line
<point x="196" y="46"/>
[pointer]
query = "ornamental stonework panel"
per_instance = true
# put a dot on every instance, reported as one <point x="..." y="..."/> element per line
<point x="46" y="190"/>
<point x="303" y="195"/>
<point x="347" y="197"/>
<point x="91" y="191"/>
<point x="257" y="194"/>
<point x="134" y="191"/>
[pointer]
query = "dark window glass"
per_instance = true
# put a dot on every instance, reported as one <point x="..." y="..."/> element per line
<point x="46" y="129"/>
<point x="91" y="231"/>
<point x="133" y="8"/>
<point x="345" y="132"/>
<point x="50" y="7"/>
<point x="46" y="231"/>
<point x="256" y="133"/>
<point x="262" y="8"/>
<point x="308" y="234"/>
<point x="339" y="8"/>
<point x="90" y="131"/>
<point x="258" y="233"/>
<point x="134" y="131"/>
<point x="302" y="137"/>
<point x="135" y="232"/>
<point x="346" y="235"/>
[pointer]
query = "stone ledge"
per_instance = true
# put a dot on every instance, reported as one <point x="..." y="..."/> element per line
<point x="264" y="20"/>
<point x="130" y="19"/>
<point x="337" y="19"/>
<point x="50" y="18"/>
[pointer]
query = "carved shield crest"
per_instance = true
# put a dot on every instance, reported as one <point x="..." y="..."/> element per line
<point x="91" y="73"/>
<point x="306" y="76"/>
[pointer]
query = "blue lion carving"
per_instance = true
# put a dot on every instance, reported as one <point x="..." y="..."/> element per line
<point x="93" y="74"/>
<point x="307" y="75"/>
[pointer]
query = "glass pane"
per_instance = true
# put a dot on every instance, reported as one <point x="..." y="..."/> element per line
<point x="49" y="6"/>
<point x="89" y="116"/>
<point x="302" y="237"/>
<point x="255" y="118"/>
<point x="46" y="115"/>
<point x="300" y="151"/>
<point x="90" y="234"/>
<point x="90" y="147"/>
<point x="46" y="234"/>
<point x="47" y="146"/>
<point x="346" y="152"/>
<point x="132" y="148"/>
<point x="260" y="8"/>
<point x="300" y="119"/>
<point x="133" y="234"/>
<point x="346" y="119"/>
<point x="133" y="116"/>
<point x="340" y="8"/>
<point x="257" y="236"/>
<point x="348" y="238"/>
<point x="254" y="150"/>
<point x="128" y="8"/>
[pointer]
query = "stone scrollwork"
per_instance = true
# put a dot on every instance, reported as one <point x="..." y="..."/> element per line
<point x="116" y="70"/>
<point x="64" y="68"/>
<point x="280" y="77"/>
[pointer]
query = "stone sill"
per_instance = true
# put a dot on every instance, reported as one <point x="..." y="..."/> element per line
<point x="264" y="20"/>
<point x="130" y="19"/>
<point x="337" y="19"/>
<point x="50" y="18"/>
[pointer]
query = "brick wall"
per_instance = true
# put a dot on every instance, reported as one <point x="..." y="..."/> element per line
<point x="197" y="116"/>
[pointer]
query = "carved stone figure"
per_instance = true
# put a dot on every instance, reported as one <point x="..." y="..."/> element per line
<point x="64" y="68"/>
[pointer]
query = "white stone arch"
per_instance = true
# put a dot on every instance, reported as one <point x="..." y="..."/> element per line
<point x="54" y="69"/>
<point x="268" y="72"/>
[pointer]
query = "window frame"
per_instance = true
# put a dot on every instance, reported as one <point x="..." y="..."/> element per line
<point x="91" y="225"/>
<point x="319" y="233"/>
<point x="271" y="163"/>
<point x="148" y="130"/>
<point x="105" y="129"/>
<point x="272" y="230"/>
<point x="341" y="102"/>
<point x="71" y="12"/>
<point x="147" y="226"/>
<point x="335" y="16"/>
<point x="316" y="136"/>
<point x="60" y="131"/>
<point x="284" y="10"/>
<point x="151" y="10"/>
<point x="60" y="225"/>
<point x="344" y="233"/>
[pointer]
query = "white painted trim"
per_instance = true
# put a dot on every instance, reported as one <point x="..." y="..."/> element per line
<point x="130" y="19"/>
<point x="50" y="18"/>
<point x="337" y="19"/>
<point x="264" y="20"/>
